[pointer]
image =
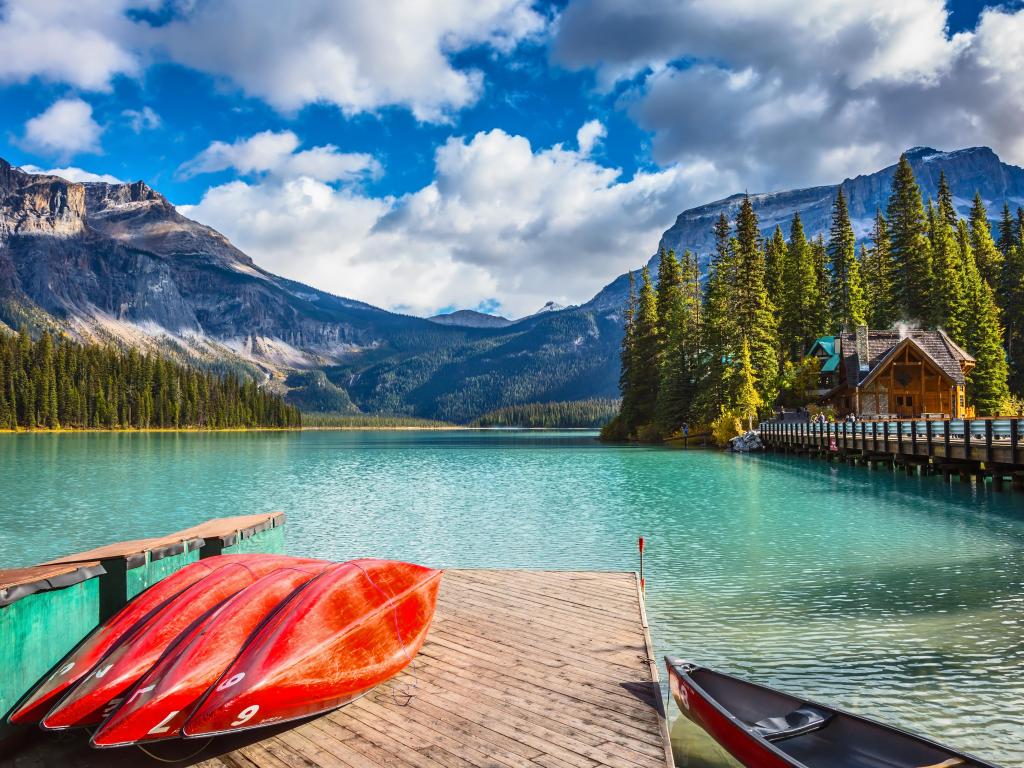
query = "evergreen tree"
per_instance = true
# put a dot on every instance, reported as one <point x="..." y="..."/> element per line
<point x="910" y="247"/>
<point x="681" y="359"/>
<point x="774" y="267"/>
<point x="758" y="324"/>
<point x="669" y="294"/>
<point x="946" y="208"/>
<point x="645" y="352"/>
<point x="748" y="400"/>
<point x="847" y="306"/>
<point x="720" y="327"/>
<point x="950" y="308"/>
<point x="986" y="255"/>
<point x="799" y="288"/>
<point x="987" y="384"/>
<point x="878" y="277"/>
<point x="1007" y="232"/>
<point x="819" y="317"/>
<point x="1011" y="299"/>
<point x="627" y="387"/>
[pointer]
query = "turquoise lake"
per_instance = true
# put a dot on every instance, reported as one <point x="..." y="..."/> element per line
<point x="898" y="597"/>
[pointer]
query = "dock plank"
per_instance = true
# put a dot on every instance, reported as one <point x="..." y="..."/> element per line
<point x="521" y="668"/>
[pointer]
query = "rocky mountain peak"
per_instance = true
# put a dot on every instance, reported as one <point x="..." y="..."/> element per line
<point x="39" y="204"/>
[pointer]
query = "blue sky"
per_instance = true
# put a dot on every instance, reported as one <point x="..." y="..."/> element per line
<point x="490" y="153"/>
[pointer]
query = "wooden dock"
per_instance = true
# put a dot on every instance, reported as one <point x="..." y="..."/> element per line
<point x="982" y="448"/>
<point x="520" y="669"/>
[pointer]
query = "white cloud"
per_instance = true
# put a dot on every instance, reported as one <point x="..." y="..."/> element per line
<point x="275" y="153"/>
<point x="72" y="174"/>
<point x="787" y="93"/>
<point x="84" y="43"/>
<point x="145" y="119"/>
<point x="589" y="134"/>
<point x="501" y="220"/>
<point x="64" y="129"/>
<point x="357" y="56"/>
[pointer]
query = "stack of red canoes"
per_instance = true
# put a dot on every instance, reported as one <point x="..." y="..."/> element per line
<point x="236" y="642"/>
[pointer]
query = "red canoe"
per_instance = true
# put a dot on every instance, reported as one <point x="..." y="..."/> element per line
<point x="765" y="728"/>
<point x="162" y="700"/>
<point x="95" y="697"/>
<point x="355" y="626"/>
<point x="81" y="661"/>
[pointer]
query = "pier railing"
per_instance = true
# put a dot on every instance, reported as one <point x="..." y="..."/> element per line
<point x="988" y="440"/>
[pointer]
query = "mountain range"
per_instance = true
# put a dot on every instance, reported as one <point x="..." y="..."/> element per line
<point x="118" y="263"/>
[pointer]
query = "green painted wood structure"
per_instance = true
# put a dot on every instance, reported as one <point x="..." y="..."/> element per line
<point x="47" y="609"/>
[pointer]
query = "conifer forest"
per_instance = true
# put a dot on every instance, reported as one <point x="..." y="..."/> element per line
<point x="731" y="346"/>
<point x="58" y="384"/>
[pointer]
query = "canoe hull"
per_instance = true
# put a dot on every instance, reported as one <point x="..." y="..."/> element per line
<point x="83" y="659"/>
<point x="160" y="703"/>
<point x="98" y="693"/>
<point x="356" y="626"/>
<point x="765" y="728"/>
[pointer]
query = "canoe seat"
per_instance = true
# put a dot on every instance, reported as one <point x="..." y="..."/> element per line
<point x="801" y="720"/>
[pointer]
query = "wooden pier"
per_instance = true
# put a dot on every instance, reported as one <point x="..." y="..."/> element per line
<point x="521" y="669"/>
<point x="980" y="448"/>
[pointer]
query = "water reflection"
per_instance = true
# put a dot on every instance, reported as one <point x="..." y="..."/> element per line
<point x="693" y="748"/>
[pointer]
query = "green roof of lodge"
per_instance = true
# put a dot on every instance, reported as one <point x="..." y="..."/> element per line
<point x="828" y="346"/>
<point x="827" y="343"/>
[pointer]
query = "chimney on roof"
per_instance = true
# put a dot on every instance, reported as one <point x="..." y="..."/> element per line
<point x="861" y="346"/>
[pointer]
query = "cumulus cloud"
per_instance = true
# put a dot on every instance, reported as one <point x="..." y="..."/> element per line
<point x="275" y="153"/>
<point x="357" y="56"/>
<point x="501" y="221"/>
<point x="589" y="134"/>
<point x="139" y="120"/>
<point x="786" y="93"/>
<point x="84" y="43"/>
<point x="64" y="129"/>
<point x="72" y="174"/>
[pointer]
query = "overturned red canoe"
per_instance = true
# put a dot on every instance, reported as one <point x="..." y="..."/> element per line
<point x="83" y="659"/>
<point x="355" y="626"/>
<point x="95" y="697"/>
<point x="162" y="700"/>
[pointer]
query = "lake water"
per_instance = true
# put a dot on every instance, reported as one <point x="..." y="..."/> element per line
<point x="898" y="597"/>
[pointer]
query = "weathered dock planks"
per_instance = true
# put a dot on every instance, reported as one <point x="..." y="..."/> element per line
<point x="520" y="669"/>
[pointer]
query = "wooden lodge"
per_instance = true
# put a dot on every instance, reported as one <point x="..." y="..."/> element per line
<point x="894" y="374"/>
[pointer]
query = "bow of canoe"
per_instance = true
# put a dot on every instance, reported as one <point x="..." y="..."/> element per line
<point x="355" y="626"/>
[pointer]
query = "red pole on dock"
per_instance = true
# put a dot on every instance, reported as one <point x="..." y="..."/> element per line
<point x="641" y="545"/>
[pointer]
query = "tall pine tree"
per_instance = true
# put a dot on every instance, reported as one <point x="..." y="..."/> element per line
<point x="799" y="293"/>
<point x="646" y="372"/>
<point x="950" y="308"/>
<point x="758" y="324"/>
<point x="879" y="278"/>
<point x="774" y="267"/>
<point x="910" y="246"/>
<point x="987" y="384"/>
<point x="986" y="254"/>
<point x="846" y="305"/>
<point x="682" y="364"/>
